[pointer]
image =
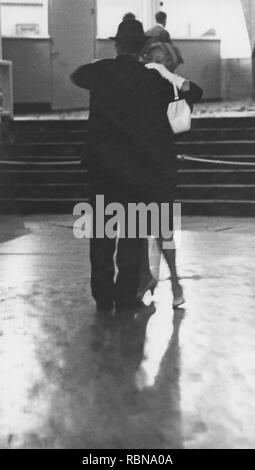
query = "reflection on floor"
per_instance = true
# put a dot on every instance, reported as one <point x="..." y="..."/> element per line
<point x="156" y="381"/>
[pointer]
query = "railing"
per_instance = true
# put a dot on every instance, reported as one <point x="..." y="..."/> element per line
<point x="186" y="158"/>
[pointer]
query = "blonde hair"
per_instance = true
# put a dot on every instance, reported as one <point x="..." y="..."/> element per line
<point x="161" y="53"/>
<point x="156" y="53"/>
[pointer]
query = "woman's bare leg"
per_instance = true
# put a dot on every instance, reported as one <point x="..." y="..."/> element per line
<point x="147" y="280"/>
<point x="170" y="257"/>
<point x="155" y="258"/>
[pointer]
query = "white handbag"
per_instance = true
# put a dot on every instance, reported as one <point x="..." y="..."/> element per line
<point x="179" y="114"/>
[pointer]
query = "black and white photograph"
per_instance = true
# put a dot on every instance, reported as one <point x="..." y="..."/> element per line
<point x="127" y="241"/>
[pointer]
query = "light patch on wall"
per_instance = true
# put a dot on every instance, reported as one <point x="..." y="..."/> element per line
<point x="110" y="13"/>
<point x="235" y="42"/>
<point x="27" y="18"/>
<point x="192" y="18"/>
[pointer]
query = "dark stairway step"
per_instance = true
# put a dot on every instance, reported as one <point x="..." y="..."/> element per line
<point x="41" y="136"/>
<point x="245" y="147"/>
<point x="39" y="205"/>
<point x="224" y="122"/>
<point x="46" y="190"/>
<point x="226" y="147"/>
<point x="40" y="166"/>
<point x="197" y="123"/>
<point x="43" y="148"/>
<point x="237" y="208"/>
<point x="65" y="125"/>
<point x="217" y="176"/>
<point x="78" y="136"/>
<point x="36" y="159"/>
<point x="65" y="176"/>
<point x="73" y="190"/>
<point x="217" y="134"/>
<point x="216" y="191"/>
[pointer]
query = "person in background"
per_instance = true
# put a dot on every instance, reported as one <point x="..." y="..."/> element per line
<point x="159" y="34"/>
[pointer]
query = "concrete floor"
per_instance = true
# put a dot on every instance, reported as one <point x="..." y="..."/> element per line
<point x="69" y="382"/>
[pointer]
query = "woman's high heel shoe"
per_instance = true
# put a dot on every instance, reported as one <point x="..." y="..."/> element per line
<point x="150" y="286"/>
<point x="179" y="300"/>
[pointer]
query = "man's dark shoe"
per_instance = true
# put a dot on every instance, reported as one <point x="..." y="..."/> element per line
<point x="149" y="286"/>
<point x="104" y="310"/>
<point x="134" y="310"/>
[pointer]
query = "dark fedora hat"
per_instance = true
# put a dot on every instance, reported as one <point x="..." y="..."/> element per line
<point x="130" y="30"/>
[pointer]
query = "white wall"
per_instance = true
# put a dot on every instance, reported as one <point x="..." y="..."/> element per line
<point x="192" y="18"/>
<point x="27" y="12"/>
<point x="111" y="12"/>
<point x="235" y="43"/>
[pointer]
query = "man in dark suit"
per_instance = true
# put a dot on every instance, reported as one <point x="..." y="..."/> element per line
<point x="131" y="157"/>
<point x="159" y="33"/>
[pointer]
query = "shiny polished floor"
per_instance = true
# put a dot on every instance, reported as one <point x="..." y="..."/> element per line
<point x="162" y="381"/>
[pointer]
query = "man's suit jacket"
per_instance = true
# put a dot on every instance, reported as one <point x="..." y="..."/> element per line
<point x="132" y="153"/>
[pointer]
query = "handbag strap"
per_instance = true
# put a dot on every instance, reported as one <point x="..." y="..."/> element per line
<point x="176" y="94"/>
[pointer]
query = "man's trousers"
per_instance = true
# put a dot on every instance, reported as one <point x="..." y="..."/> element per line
<point x="115" y="270"/>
